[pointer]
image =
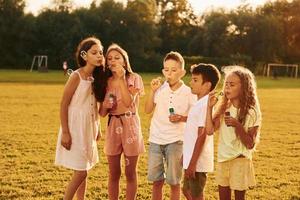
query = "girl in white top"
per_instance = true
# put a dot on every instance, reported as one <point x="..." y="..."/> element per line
<point x="76" y="146"/>
<point x="238" y="119"/>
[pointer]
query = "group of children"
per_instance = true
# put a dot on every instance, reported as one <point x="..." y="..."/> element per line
<point x="181" y="131"/>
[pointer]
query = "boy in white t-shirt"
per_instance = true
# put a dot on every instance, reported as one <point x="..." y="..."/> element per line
<point x="198" y="151"/>
<point x="171" y="102"/>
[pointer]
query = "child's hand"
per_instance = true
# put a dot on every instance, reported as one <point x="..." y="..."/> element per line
<point x="120" y="71"/>
<point x="108" y="104"/>
<point x="66" y="140"/>
<point x="230" y="121"/>
<point x="190" y="171"/>
<point x="133" y="91"/>
<point x="174" y="118"/>
<point x="155" y="84"/>
<point x="212" y="99"/>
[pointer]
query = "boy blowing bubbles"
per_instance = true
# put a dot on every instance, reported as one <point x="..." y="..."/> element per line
<point x="170" y="102"/>
<point x="173" y="72"/>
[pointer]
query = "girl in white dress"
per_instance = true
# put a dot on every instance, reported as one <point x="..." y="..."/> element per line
<point x="76" y="146"/>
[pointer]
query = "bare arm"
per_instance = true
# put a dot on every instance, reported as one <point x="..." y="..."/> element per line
<point x="103" y="110"/>
<point x="247" y="137"/>
<point x="211" y="124"/>
<point x="127" y="97"/>
<point x="150" y="105"/>
<point x="190" y="171"/>
<point x="68" y="93"/>
<point x="177" y="118"/>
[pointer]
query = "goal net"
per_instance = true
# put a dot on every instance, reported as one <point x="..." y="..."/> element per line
<point x="276" y="69"/>
<point x="41" y="61"/>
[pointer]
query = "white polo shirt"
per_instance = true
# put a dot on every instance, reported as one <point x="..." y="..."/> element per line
<point x="162" y="131"/>
<point x="196" y="119"/>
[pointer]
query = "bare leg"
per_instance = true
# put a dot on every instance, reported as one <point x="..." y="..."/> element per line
<point x="81" y="190"/>
<point x="175" y="192"/>
<point x="131" y="177"/>
<point x="187" y="194"/>
<point x="224" y="193"/>
<point x="157" y="190"/>
<point x="114" y="176"/>
<point x="77" y="178"/>
<point x="239" y="195"/>
<point x="201" y="197"/>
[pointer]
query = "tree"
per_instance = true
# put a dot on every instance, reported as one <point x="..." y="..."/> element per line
<point x="288" y="18"/>
<point x="11" y="25"/>
<point x="215" y="39"/>
<point x="57" y="35"/>
<point x="177" y="23"/>
<point x="140" y="32"/>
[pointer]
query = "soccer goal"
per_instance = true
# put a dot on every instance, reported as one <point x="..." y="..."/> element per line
<point x="41" y="61"/>
<point x="274" y="68"/>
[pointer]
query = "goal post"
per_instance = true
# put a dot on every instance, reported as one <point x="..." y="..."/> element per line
<point x="292" y="67"/>
<point x="41" y="61"/>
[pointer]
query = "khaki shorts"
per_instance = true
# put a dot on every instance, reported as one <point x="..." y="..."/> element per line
<point x="238" y="174"/>
<point x="195" y="185"/>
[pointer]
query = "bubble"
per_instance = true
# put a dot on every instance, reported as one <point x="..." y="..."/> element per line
<point x="69" y="72"/>
<point x="127" y="162"/>
<point x="129" y="140"/>
<point x="119" y="130"/>
<point x="134" y="138"/>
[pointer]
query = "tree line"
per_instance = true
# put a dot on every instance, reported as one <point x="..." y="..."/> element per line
<point x="148" y="29"/>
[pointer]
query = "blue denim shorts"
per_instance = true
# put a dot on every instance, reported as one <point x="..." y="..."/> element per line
<point x="164" y="162"/>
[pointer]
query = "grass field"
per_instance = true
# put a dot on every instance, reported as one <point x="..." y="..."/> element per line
<point x="29" y="122"/>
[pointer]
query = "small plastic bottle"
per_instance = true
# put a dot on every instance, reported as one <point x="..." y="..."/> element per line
<point x="171" y="111"/>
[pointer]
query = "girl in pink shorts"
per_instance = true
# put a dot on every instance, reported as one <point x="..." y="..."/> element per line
<point x="123" y="130"/>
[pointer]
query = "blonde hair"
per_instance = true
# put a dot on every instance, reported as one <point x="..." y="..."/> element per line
<point x="174" y="55"/>
<point x="248" y="96"/>
<point x="116" y="47"/>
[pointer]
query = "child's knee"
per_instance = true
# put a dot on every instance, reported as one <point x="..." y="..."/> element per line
<point x="175" y="187"/>
<point x="115" y="176"/>
<point x="158" y="184"/>
<point x="130" y="175"/>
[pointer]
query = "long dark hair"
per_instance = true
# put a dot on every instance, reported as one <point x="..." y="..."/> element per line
<point x="100" y="78"/>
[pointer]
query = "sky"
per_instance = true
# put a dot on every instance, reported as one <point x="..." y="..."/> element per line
<point x="199" y="6"/>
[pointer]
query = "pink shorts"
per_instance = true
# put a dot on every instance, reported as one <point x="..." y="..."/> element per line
<point x="124" y="135"/>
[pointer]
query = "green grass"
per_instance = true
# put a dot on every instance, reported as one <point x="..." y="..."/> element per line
<point x="29" y="122"/>
<point x="57" y="77"/>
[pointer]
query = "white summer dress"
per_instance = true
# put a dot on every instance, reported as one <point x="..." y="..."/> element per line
<point x="83" y="121"/>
